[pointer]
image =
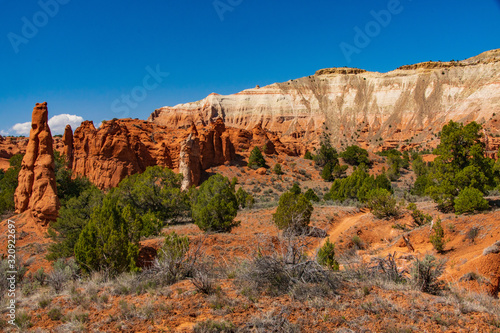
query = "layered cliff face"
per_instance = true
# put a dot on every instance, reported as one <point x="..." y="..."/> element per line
<point x="405" y="107"/>
<point x="36" y="191"/>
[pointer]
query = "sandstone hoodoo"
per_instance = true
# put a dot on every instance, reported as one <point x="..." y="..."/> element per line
<point x="68" y="145"/>
<point x="190" y="159"/>
<point x="36" y="191"/>
<point x="375" y="110"/>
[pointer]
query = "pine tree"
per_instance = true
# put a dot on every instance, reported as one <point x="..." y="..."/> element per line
<point x="256" y="159"/>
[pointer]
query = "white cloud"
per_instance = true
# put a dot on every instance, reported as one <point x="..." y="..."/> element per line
<point x="57" y="124"/>
<point x="21" y="128"/>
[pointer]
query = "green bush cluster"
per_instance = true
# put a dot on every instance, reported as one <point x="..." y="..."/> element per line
<point x="355" y="155"/>
<point x="358" y="185"/>
<point x="327" y="158"/>
<point x="103" y="231"/>
<point x="461" y="173"/>
<point x="8" y="183"/>
<point x="396" y="161"/>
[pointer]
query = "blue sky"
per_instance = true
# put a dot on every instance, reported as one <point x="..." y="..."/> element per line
<point x="85" y="57"/>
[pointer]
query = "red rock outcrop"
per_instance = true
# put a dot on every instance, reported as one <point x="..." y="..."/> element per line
<point x="10" y="146"/>
<point x="120" y="148"/>
<point x="36" y="191"/>
<point x="117" y="149"/>
<point x="68" y="145"/>
<point x="190" y="165"/>
<point x="215" y="145"/>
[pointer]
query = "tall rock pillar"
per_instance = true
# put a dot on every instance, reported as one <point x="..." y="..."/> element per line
<point x="36" y="191"/>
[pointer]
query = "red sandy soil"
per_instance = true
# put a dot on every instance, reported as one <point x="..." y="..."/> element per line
<point x="368" y="306"/>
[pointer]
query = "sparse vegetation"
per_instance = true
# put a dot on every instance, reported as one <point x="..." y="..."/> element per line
<point x="437" y="236"/>
<point x="425" y="274"/>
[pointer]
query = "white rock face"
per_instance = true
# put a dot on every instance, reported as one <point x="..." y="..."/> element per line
<point x="410" y="102"/>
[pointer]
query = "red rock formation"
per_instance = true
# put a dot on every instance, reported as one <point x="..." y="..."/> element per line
<point x="216" y="146"/>
<point x="190" y="160"/>
<point x="36" y="191"/>
<point x="116" y="150"/>
<point x="10" y="146"/>
<point x="68" y="145"/>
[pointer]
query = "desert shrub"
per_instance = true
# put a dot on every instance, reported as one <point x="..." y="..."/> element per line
<point x="62" y="272"/>
<point x="212" y="326"/>
<point x="249" y="201"/>
<point x="244" y="199"/>
<point x="472" y="233"/>
<point x="495" y="248"/>
<point x="419" y="218"/>
<point x="437" y="236"/>
<point x="256" y="159"/>
<point x="277" y="169"/>
<point x="55" y="314"/>
<point x="40" y="276"/>
<point x="110" y="240"/>
<point x="279" y="266"/>
<point x="355" y="155"/>
<point x="425" y="274"/>
<point x="23" y="320"/>
<point x="203" y="280"/>
<point x="8" y="183"/>
<point x="311" y="195"/>
<point x="308" y="155"/>
<point x="382" y="203"/>
<point x="388" y="270"/>
<point x="470" y="200"/>
<point x="326" y="256"/>
<point x="176" y="260"/>
<point x="44" y="301"/>
<point x="295" y="189"/>
<point x="357" y="242"/>
<point x="273" y="322"/>
<point x="73" y="216"/>
<point x="214" y="206"/>
<point x="293" y="212"/>
<point x="155" y="195"/>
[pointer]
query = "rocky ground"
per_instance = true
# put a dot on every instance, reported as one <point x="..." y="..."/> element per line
<point x="356" y="300"/>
